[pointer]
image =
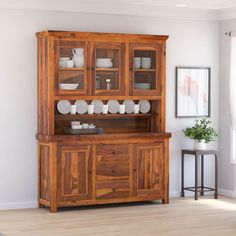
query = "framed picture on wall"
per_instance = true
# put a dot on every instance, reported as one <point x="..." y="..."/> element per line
<point x="193" y="92"/>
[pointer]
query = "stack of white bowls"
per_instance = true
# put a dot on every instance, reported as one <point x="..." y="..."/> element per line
<point x="104" y="63"/>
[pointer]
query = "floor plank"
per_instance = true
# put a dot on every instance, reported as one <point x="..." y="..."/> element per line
<point x="205" y="217"/>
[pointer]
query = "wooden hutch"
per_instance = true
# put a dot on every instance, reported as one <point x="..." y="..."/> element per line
<point x="130" y="161"/>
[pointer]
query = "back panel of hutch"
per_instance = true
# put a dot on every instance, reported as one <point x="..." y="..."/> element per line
<point x="130" y="161"/>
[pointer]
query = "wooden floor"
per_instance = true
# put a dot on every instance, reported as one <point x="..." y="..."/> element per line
<point x="181" y="217"/>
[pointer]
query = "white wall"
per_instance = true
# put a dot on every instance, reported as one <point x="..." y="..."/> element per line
<point x="191" y="43"/>
<point x="227" y="169"/>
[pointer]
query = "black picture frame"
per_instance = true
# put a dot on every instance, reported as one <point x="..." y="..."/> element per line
<point x="191" y="70"/>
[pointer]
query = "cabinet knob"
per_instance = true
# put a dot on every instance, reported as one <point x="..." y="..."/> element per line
<point x="113" y="171"/>
<point x="113" y="152"/>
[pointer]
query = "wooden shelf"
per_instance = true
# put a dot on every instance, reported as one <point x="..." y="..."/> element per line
<point x="72" y="69"/>
<point x="110" y="97"/>
<point x="100" y="116"/>
<point x="144" y="70"/>
<point x="107" y="69"/>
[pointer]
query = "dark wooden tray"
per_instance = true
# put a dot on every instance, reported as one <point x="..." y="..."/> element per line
<point x="83" y="131"/>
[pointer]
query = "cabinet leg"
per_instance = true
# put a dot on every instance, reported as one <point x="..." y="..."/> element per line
<point x="165" y="200"/>
<point x="53" y="209"/>
<point x="40" y="205"/>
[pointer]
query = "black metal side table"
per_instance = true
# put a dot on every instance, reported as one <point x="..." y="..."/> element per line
<point x="202" y="188"/>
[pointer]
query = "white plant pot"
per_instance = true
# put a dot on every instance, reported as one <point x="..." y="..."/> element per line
<point x="199" y="145"/>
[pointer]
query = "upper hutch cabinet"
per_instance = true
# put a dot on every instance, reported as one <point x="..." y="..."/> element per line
<point x="145" y="69"/>
<point x="71" y="67"/>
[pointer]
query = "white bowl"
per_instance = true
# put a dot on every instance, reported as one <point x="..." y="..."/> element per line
<point x="103" y="60"/>
<point x="104" y="65"/>
<point x="144" y="86"/>
<point x="76" y="126"/>
<point x="68" y="86"/>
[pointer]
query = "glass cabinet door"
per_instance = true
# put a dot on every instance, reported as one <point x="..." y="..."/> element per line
<point x="71" y="68"/>
<point x="107" y="69"/>
<point x="145" y="68"/>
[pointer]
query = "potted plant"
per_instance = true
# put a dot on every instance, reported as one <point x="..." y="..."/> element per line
<point x="202" y="133"/>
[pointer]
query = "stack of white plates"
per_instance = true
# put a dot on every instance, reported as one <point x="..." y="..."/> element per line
<point x="104" y="63"/>
<point x="143" y="86"/>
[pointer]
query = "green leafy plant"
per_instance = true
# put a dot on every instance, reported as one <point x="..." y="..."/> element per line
<point x="201" y="131"/>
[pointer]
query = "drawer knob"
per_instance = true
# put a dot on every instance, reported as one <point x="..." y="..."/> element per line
<point x="113" y="152"/>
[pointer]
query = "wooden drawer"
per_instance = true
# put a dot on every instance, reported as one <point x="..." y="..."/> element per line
<point x="113" y="149"/>
<point x="113" y="171"/>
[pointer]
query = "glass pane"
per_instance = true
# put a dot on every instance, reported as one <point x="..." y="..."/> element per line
<point x="144" y="59"/>
<point x="107" y="58"/>
<point x="144" y="69"/>
<point x="107" y="80"/>
<point x="144" y="80"/>
<point x="71" y="61"/>
<point x="71" y="80"/>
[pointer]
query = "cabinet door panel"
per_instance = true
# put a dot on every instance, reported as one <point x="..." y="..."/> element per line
<point x="113" y="172"/>
<point x="74" y="172"/>
<point x="149" y="169"/>
<point x="72" y="77"/>
<point x="145" y="69"/>
<point x="108" y="68"/>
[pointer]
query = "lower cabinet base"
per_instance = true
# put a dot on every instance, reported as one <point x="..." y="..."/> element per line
<point x="45" y="203"/>
<point x="73" y="173"/>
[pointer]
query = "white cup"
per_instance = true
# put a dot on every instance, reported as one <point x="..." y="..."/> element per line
<point x="85" y="126"/>
<point x="104" y="109"/>
<point x="122" y="109"/>
<point x="137" y="62"/>
<point x="73" y="109"/>
<point x="146" y="62"/>
<point x="90" y="109"/>
<point x="63" y="61"/>
<point x="136" y="108"/>
<point x="69" y="63"/>
<point x="76" y="125"/>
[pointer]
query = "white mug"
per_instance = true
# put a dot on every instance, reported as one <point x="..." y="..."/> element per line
<point x="104" y="109"/>
<point x="69" y="63"/>
<point x="146" y="62"/>
<point x="73" y="109"/>
<point x="85" y="126"/>
<point x="63" y="61"/>
<point x="90" y="109"/>
<point x="137" y="62"/>
<point x="122" y="109"/>
<point x="136" y="108"/>
<point x="75" y="125"/>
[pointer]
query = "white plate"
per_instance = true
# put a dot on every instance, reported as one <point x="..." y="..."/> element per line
<point x="97" y="106"/>
<point x="64" y="106"/>
<point x="129" y="106"/>
<point x="113" y="106"/>
<point x="145" y="106"/>
<point x="81" y="106"/>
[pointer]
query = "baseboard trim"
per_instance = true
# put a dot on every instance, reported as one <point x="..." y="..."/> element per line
<point x="173" y="194"/>
<point x="227" y="193"/>
<point x="18" y="205"/>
